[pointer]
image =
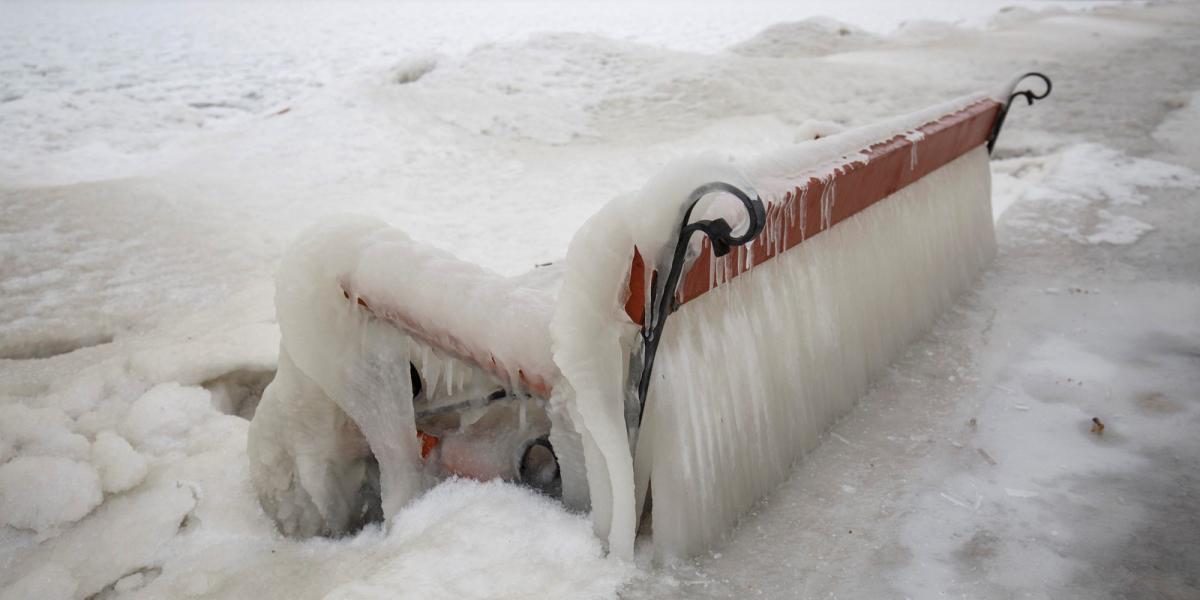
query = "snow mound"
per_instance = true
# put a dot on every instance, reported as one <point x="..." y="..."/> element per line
<point x="412" y="69"/>
<point x="1176" y="130"/>
<point x="161" y="418"/>
<point x="47" y="582"/>
<point x="810" y="37"/>
<point x="28" y="431"/>
<point x="813" y="129"/>
<point x="42" y="492"/>
<point x="1013" y="16"/>
<point x="120" y="466"/>
<point x="522" y="546"/>
<point x="926" y="30"/>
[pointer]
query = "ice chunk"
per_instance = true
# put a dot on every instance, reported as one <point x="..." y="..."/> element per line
<point x="42" y="492"/>
<point x="160" y="419"/>
<point x="119" y="465"/>
<point x="125" y="534"/>
<point x="39" y="432"/>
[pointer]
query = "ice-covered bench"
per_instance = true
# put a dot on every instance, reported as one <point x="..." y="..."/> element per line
<point x="813" y="267"/>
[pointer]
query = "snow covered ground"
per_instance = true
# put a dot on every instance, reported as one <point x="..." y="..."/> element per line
<point x="158" y="157"/>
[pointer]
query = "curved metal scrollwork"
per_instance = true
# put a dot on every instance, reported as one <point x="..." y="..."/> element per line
<point x="662" y="300"/>
<point x="1028" y="95"/>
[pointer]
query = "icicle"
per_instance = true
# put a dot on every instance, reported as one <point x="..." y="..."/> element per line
<point x="913" y="137"/>
<point x="828" y="198"/>
<point x="712" y="273"/>
<point x="789" y="209"/>
<point x="803" y="211"/>
<point x="523" y="422"/>
<point x="439" y="374"/>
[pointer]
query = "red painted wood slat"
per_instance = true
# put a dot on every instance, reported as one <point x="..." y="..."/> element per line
<point x="889" y="168"/>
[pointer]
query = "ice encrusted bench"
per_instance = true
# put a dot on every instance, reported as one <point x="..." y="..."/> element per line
<point x="814" y="267"/>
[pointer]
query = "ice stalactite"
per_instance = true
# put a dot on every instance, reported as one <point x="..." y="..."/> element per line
<point x="828" y="199"/>
<point x="914" y="138"/>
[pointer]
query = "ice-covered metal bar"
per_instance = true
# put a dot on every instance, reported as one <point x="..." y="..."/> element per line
<point x="454" y="339"/>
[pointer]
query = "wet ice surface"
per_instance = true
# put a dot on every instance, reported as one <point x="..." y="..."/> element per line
<point x="971" y="470"/>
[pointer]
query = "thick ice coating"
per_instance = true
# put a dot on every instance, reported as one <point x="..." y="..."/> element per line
<point x="750" y="374"/>
<point x="382" y="336"/>
<point x="359" y="304"/>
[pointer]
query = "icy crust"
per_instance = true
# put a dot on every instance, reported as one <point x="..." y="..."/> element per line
<point x="593" y="337"/>
<point x="343" y="390"/>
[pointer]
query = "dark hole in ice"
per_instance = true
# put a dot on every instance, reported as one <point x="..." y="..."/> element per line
<point x="370" y="499"/>
<point x="133" y="581"/>
<point x="415" y="376"/>
<point x="413" y="70"/>
<point x="539" y="468"/>
<point x="238" y="392"/>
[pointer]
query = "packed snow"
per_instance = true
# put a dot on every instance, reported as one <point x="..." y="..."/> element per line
<point x="160" y="156"/>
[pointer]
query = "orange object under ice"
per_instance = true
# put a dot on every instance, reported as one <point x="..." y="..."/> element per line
<point x="428" y="443"/>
